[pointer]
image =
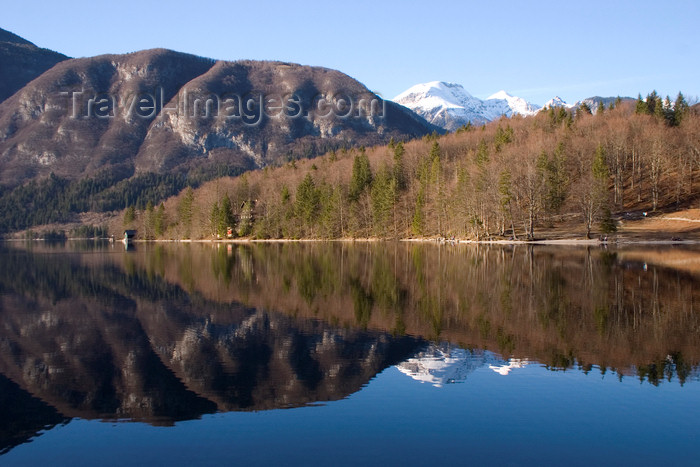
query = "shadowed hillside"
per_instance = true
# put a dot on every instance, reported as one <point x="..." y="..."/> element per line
<point x="21" y="61"/>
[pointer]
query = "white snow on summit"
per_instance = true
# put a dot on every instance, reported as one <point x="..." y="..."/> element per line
<point x="557" y="101"/>
<point x="516" y="105"/>
<point x="504" y="370"/>
<point x="441" y="364"/>
<point x="449" y="105"/>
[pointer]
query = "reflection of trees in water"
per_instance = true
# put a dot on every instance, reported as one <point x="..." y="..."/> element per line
<point x="558" y="305"/>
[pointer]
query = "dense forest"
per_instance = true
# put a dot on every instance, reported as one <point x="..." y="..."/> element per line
<point x="515" y="178"/>
<point x="59" y="200"/>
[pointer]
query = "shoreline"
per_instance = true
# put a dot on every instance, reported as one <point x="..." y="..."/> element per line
<point x="428" y="240"/>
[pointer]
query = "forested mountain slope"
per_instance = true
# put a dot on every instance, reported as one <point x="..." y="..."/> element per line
<point x="515" y="177"/>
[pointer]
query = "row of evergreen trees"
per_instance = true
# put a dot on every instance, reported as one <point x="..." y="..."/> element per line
<point x="672" y="113"/>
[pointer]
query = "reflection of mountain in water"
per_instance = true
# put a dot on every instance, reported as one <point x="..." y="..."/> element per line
<point x="22" y="416"/>
<point x="93" y="343"/>
<point x="171" y="332"/>
<point x="272" y="361"/>
<point x="506" y="368"/>
<point x="441" y="364"/>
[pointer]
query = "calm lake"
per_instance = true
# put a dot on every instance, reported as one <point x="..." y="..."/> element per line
<point x="350" y="354"/>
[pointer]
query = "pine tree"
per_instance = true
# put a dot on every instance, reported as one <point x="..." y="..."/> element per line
<point x="160" y="222"/>
<point x="226" y="218"/>
<point x="607" y="223"/>
<point x="569" y="120"/>
<point x="129" y="215"/>
<point x="149" y="222"/>
<point x="600" y="169"/>
<point x="641" y="108"/>
<point x="680" y="109"/>
<point x="467" y="127"/>
<point x="285" y="215"/>
<point x="652" y="100"/>
<point x="184" y="211"/>
<point x="383" y="194"/>
<point x="417" y="223"/>
<point x="399" y="170"/>
<point x="601" y="108"/>
<point x="435" y="151"/>
<point x="601" y="175"/>
<point x="503" y="137"/>
<point x="331" y="216"/>
<point x="583" y="109"/>
<point x="361" y="176"/>
<point x="563" y="115"/>
<point x="307" y="202"/>
<point x="482" y="154"/>
<point x="663" y="111"/>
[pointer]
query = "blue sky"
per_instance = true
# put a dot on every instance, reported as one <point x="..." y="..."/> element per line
<point x="533" y="49"/>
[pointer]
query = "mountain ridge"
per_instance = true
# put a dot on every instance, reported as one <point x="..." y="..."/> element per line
<point x="51" y="125"/>
<point x="21" y="61"/>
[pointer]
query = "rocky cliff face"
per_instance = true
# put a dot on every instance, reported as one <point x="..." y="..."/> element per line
<point x="159" y="111"/>
<point x="51" y="125"/>
<point x="267" y="111"/>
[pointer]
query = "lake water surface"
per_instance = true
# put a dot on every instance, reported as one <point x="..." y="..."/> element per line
<point x="348" y="354"/>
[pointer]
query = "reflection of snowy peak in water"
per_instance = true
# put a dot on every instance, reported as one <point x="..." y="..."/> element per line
<point x="508" y="366"/>
<point x="441" y="364"/>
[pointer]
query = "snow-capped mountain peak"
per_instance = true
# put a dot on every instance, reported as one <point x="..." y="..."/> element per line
<point x="448" y="92"/>
<point x="503" y="95"/>
<point x="450" y="106"/>
<point x="556" y="101"/>
<point x="447" y="105"/>
<point x="517" y="105"/>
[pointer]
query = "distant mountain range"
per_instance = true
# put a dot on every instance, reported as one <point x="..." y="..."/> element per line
<point x="450" y="106"/>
